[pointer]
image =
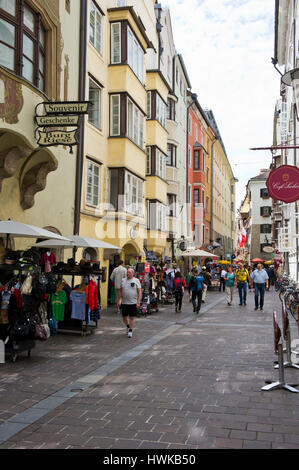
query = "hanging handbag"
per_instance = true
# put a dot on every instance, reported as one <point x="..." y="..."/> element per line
<point x="40" y="333"/>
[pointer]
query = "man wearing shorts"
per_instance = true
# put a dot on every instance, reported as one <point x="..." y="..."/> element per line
<point x="131" y="297"/>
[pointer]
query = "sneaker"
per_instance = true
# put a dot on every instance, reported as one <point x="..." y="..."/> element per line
<point x="245" y="303"/>
<point x="130" y="334"/>
<point x="241" y="304"/>
<point x="261" y="309"/>
<point x="256" y="308"/>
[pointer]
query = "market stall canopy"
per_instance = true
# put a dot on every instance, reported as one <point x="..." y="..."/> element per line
<point x="200" y="253"/>
<point x="223" y="261"/>
<point x="76" y="241"/>
<point x="18" y="229"/>
<point x="257" y="260"/>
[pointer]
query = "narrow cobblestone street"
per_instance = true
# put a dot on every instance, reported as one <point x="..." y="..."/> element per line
<point x="182" y="381"/>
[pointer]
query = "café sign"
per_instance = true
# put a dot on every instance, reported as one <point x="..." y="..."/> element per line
<point x="283" y="183"/>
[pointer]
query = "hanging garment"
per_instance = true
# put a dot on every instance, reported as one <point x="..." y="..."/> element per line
<point x="78" y="305"/>
<point x="47" y="261"/>
<point x="4" y="307"/>
<point x="92" y="298"/>
<point x="58" y="301"/>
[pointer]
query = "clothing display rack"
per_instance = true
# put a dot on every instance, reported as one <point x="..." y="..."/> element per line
<point x="9" y="278"/>
<point x="77" y="319"/>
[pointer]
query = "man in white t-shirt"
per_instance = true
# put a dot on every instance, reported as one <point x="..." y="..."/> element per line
<point x="118" y="274"/>
<point x="131" y="298"/>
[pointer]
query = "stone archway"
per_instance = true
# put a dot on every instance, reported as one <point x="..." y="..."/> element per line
<point x="29" y="165"/>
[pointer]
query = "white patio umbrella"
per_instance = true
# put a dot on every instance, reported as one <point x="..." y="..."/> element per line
<point x="199" y="253"/>
<point x="18" y="229"/>
<point x="76" y="241"/>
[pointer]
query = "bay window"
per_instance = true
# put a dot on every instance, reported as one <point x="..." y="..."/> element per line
<point x="22" y="41"/>
<point x="115" y="43"/>
<point x="126" y="191"/>
<point x="126" y="119"/>
<point x="133" y="194"/>
<point x="171" y="155"/>
<point x="156" y="216"/>
<point x="135" y="55"/>
<point x="156" y="107"/>
<point x="155" y="162"/>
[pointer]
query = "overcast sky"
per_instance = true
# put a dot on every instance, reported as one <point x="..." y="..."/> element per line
<point x="227" y="47"/>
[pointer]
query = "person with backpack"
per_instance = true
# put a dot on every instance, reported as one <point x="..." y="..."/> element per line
<point x="241" y="280"/>
<point x="179" y="285"/>
<point x="196" y="285"/>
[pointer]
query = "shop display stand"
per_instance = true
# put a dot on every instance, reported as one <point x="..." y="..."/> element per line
<point x="15" y="347"/>
<point x="287" y="337"/>
<point x="280" y="384"/>
<point x="85" y="327"/>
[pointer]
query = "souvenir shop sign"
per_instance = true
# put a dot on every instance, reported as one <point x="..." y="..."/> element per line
<point x="283" y="183"/>
<point x="66" y="107"/>
<point x="59" y="114"/>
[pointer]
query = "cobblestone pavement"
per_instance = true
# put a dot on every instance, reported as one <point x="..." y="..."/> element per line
<point x="183" y="381"/>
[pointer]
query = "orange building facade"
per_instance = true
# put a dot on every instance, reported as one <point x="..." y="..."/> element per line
<point x="198" y="176"/>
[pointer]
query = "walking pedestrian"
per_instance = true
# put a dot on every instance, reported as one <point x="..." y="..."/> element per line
<point x="196" y="286"/>
<point x="242" y="278"/>
<point x="260" y="281"/>
<point x="179" y="285"/>
<point x="222" y="279"/>
<point x="271" y="274"/>
<point x="229" y="284"/>
<point x="207" y="282"/>
<point x="118" y="274"/>
<point x="131" y="298"/>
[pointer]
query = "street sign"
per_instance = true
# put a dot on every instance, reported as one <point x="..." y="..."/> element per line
<point x="56" y="121"/>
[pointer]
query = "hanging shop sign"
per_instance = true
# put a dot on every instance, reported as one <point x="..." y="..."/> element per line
<point x="59" y="114"/>
<point x="283" y="183"/>
<point x="47" y="139"/>
<point x="268" y="249"/>
<point x="66" y="107"/>
<point x="56" y="121"/>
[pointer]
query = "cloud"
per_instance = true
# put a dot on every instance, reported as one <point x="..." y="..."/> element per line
<point x="229" y="65"/>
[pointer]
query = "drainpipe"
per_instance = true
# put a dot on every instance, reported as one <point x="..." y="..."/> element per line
<point x="82" y="87"/>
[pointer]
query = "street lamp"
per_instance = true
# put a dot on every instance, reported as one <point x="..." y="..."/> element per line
<point x="291" y="78"/>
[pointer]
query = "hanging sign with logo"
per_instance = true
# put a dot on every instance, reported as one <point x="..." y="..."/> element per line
<point x="59" y="115"/>
<point x="283" y="183"/>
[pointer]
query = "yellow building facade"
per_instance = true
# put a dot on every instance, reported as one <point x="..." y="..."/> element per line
<point x="124" y="189"/>
<point x="37" y="183"/>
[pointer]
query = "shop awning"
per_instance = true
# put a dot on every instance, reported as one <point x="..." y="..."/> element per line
<point x="76" y="241"/>
<point x="20" y="230"/>
<point x="199" y="253"/>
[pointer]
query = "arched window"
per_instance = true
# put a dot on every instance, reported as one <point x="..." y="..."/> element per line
<point x="90" y="254"/>
<point x="22" y="41"/>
